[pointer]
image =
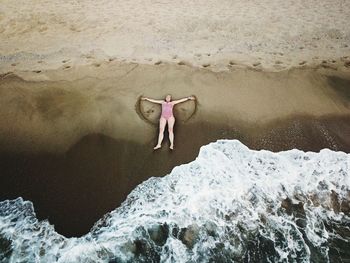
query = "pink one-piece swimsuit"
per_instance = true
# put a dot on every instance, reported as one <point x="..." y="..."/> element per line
<point x="167" y="110"/>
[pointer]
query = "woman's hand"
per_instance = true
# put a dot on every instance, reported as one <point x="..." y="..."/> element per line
<point x="191" y="98"/>
<point x="143" y="98"/>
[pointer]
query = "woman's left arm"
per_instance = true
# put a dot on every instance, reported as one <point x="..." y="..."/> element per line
<point x="183" y="100"/>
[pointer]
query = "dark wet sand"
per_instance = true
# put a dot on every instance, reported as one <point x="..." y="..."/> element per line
<point x="76" y="145"/>
<point x="73" y="190"/>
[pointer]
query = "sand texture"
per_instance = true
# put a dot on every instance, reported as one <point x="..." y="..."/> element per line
<point x="77" y="141"/>
<point x="50" y="111"/>
<point x="74" y="136"/>
<point x="272" y="35"/>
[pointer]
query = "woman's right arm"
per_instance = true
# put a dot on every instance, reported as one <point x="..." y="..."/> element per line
<point x="152" y="100"/>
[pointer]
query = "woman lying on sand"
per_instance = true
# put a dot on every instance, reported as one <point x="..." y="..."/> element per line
<point x="167" y="117"/>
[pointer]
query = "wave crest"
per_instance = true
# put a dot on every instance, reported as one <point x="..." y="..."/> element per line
<point x="231" y="204"/>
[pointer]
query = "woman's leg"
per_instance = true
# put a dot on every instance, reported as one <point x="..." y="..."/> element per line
<point x="162" y="123"/>
<point x="171" y="122"/>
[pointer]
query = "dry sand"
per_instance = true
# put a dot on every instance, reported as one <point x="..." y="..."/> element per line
<point x="269" y="34"/>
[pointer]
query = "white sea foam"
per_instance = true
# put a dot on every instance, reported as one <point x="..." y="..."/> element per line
<point x="231" y="204"/>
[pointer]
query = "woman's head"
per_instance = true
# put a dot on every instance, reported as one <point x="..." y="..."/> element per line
<point x="168" y="98"/>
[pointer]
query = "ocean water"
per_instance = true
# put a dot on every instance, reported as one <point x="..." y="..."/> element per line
<point x="231" y="204"/>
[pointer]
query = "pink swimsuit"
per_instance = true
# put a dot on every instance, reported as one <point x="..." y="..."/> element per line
<point x="167" y="110"/>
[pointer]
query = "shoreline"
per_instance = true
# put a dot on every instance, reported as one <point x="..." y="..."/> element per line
<point x="36" y="107"/>
<point x="259" y="170"/>
<point x="76" y="188"/>
<point x="73" y="143"/>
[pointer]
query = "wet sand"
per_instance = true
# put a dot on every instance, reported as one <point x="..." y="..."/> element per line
<point x="74" y="189"/>
<point x="51" y="110"/>
<point x="77" y="141"/>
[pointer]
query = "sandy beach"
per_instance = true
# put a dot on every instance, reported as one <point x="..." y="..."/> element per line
<point x="74" y="136"/>
<point x="83" y="140"/>
<point x="273" y="34"/>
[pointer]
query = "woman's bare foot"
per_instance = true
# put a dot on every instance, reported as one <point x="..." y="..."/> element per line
<point x="171" y="147"/>
<point x="157" y="147"/>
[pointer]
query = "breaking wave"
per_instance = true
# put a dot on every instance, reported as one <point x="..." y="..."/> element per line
<point x="231" y="204"/>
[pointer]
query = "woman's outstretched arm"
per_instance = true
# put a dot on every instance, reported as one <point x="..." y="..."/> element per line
<point x="152" y="100"/>
<point x="183" y="100"/>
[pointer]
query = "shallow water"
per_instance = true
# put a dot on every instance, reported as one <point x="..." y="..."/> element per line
<point x="231" y="204"/>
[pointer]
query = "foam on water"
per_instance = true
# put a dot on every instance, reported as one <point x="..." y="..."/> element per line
<point x="231" y="204"/>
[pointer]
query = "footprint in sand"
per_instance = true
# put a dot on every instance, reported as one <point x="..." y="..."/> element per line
<point x="326" y="64"/>
<point x="88" y="56"/>
<point x="150" y="112"/>
<point x="183" y="63"/>
<point x="278" y="66"/>
<point x="232" y="63"/>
